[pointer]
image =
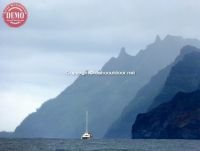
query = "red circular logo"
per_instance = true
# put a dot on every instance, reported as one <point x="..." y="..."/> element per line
<point x="15" y="15"/>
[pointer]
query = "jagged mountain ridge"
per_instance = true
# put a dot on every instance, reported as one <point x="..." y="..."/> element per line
<point x="144" y="99"/>
<point x="104" y="97"/>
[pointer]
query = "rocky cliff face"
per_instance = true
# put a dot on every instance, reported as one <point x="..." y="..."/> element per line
<point x="177" y="119"/>
<point x="145" y="98"/>
<point x="184" y="77"/>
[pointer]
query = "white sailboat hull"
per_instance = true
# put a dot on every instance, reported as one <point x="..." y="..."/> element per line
<point x="86" y="136"/>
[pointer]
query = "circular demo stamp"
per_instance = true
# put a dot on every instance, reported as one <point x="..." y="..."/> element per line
<point x="15" y="15"/>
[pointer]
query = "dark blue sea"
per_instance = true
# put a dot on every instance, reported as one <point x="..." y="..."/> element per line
<point x="98" y="145"/>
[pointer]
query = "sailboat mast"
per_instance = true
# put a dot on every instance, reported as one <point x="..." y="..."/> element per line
<point x="86" y="126"/>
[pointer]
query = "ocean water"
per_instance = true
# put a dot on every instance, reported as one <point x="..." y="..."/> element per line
<point x="98" y="145"/>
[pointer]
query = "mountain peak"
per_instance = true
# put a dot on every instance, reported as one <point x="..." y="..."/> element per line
<point x="123" y="53"/>
<point x="158" y="39"/>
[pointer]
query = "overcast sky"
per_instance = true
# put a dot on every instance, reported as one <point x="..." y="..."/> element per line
<point x="63" y="35"/>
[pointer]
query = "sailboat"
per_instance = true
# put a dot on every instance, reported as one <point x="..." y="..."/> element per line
<point x="86" y="135"/>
